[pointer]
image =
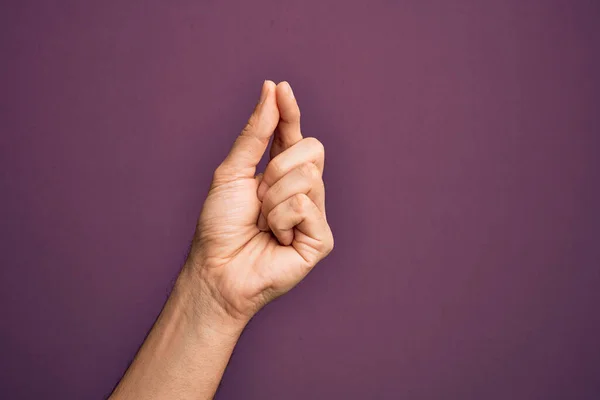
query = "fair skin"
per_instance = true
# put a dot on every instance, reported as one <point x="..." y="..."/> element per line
<point x="257" y="237"/>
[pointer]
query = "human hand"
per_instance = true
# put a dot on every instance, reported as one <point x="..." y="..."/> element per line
<point x="256" y="238"/>
<point x="259" y="235"/>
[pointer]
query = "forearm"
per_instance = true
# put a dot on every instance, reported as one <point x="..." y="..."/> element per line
<point x="186" y="352"/>
<point x="238" y="261"/>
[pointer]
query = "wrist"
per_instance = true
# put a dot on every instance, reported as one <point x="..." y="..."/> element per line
<point x="202" y="308"/>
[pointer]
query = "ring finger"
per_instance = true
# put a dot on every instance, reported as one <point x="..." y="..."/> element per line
<point x="304" y="179"/>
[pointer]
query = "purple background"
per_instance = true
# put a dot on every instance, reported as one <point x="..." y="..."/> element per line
<point x="462" y="171"/>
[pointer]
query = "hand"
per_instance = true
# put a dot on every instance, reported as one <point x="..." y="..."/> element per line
<point x="259" y="235"/>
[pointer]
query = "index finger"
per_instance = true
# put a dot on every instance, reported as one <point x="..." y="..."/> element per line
<point x="288" y="131"/>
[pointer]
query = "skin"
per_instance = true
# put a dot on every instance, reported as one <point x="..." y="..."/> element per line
<point x="257" y="237"/>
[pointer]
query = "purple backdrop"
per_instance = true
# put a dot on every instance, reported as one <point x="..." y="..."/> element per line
<point x="463" y="189"/>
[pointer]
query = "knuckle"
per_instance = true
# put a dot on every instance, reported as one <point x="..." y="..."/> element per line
<point x="315" y="174"/>
<point x="326" y="245"/>
<point x="220" y="172"/>
<point x="295" y="114"/>
<point x="321" y="186"/>
<point x="272" y="219"/>
<point x="299" y="202"/>
<point x="275" y="168"/>
<point x="309" y="170"/>
<point x="316" y="145"/>
<point x="331" y="244"/>
<point x="305" y="170"/>
<point x="268" y="202"/>
<point x="249" y="127"/>
<point x="274" y="190"/>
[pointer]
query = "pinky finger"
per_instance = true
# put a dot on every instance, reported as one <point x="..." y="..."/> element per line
<point x="313" y="239"/>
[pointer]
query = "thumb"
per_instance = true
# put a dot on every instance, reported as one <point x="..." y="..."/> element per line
<point x="251" y="144"/>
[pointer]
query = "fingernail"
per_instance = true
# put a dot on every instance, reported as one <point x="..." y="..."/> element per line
<point x="263" y="93"/>
<point x="262" y="223"/>
<point x="262" y="189"/>
<point x="289" y="90"/>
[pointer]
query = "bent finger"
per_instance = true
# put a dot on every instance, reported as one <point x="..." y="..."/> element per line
<point x="307" y="150"/>
<point x="313" y="239"/>
<point x="304" y="179"/>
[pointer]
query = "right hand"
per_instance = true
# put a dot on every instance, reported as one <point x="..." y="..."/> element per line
<point x="258" y="236"/>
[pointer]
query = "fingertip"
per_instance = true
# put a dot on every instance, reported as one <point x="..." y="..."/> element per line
<point x="262" y="223"/>
<point x="285" y="238"/>
<point x="284" y="89"/>
<point x="288" y="106"/>
<point x="271" y="99"/>
<point x="267" y="90"/>
<point x="271" y="87"/>
<point x="262" y="189"/>
<point x="289" y="238"/>
<point x="267" y="109"/>
<point x="285" y="99"/>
